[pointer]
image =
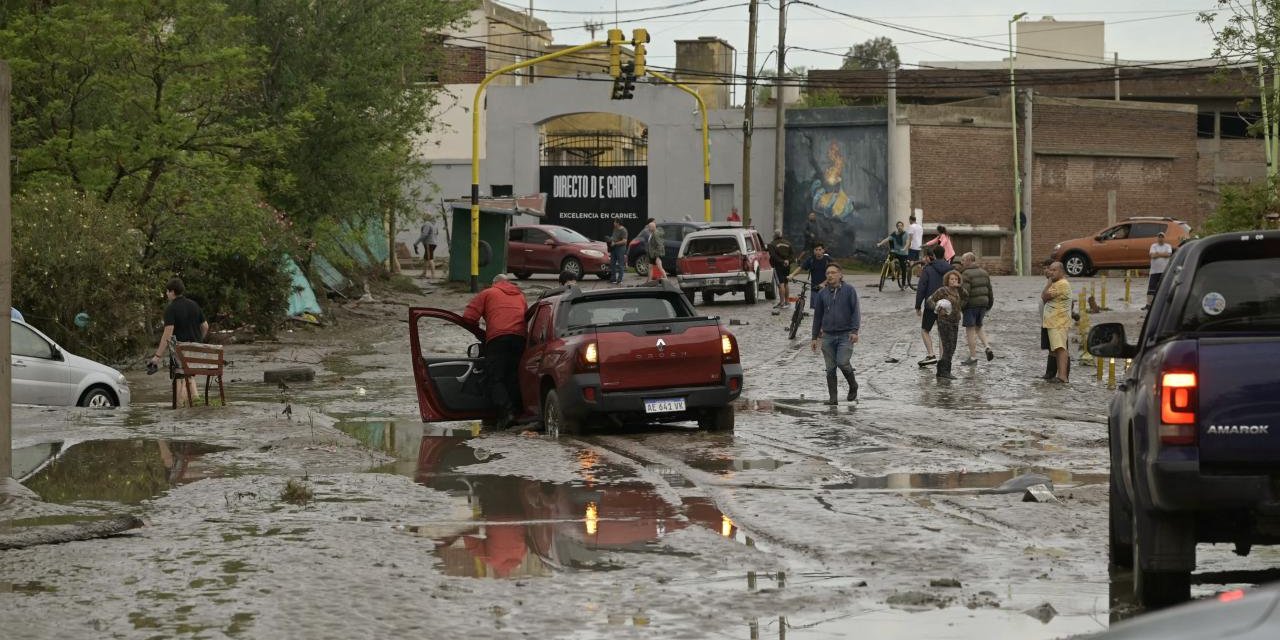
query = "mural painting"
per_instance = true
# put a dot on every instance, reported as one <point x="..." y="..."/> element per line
<point x="836" y="170"/>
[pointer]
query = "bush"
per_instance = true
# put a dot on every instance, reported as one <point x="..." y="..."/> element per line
<point x="1242" y="207"/>
<point x="72" y="254"/>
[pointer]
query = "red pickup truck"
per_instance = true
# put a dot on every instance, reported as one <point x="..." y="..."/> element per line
<point x="608" y="356"/>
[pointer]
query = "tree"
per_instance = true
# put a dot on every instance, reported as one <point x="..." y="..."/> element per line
<point x="1251" y="35"/>
<point x="875" y="53"/>
<point x="343" y="75"/>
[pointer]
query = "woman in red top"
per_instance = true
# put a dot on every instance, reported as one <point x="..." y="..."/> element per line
<point x="943" y="240"/>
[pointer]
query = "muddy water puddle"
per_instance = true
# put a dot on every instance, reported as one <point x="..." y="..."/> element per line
<point x="126" y="471"/>
<point x="976" y="480"/>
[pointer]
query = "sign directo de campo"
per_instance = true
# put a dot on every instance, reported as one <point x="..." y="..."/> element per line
<point x="587" y="199"/>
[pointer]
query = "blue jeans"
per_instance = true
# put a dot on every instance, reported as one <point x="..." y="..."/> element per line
<point x="836" y="351"/>
<point x="617" y="263"/>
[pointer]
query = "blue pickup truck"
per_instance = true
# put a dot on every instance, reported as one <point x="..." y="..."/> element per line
<point x="1195" y="426"/>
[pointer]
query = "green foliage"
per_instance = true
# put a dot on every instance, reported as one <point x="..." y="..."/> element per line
<point x="69" y="255"/>
<point x="204" y="138"/>
<point x="1242" y="207"/>
<point x="875" y="53"/>
<point x="822" y="98"/>
<point x="297" y="492"/>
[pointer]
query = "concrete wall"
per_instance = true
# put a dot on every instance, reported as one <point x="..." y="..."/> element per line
<point x="1080" y="41"/>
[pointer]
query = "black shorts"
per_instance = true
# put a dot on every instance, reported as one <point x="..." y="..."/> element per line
<point x="780" y="269"/>
<point x="928" y="319"/>
<point x="1153" y="283"/>
<point x="431" y="252"/>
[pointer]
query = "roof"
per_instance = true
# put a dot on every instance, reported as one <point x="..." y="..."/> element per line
<point x="532" y="205"/>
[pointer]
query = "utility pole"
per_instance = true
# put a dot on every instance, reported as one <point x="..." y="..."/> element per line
<point x="528" y="46"/>
<point x="748" y="115"/>
<point x="592" y="27"/>
<point x="779" y="120"/>
<point x="6" y="281"/>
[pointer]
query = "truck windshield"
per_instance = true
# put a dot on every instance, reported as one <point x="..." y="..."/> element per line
<point x="1237" y="292"/>
<point x="712" y="246"/>
<point x="589" y="312"/>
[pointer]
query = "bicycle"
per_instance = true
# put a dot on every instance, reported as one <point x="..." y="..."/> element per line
<point x="892" y="271"/>
<point x="798" y="314"/>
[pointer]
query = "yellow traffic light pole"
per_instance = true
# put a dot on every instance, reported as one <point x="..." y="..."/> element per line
<point x="706" y="145"/>
<point x="475" y="147"/>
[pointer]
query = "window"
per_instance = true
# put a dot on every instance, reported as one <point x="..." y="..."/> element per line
<point x="1204" y="124"/>
<point x="27" y="343"/>
<point x="538" y="328"/>
<point x="1237" y="124"/>
<point x="1147" y="229"/>
<point x="515" y="235"/>
<point x="1222" y="300"/>
<point x="673" y="231"/>
<point x="536" y="236"/>
<point x="585" y="313"/>
<point x="713" y="246"/>
<point x="990" y="246"/>
<point x="565" y="234"/>
<point x="1119" y="232"/>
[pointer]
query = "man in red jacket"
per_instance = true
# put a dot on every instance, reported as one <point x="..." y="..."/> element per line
<point x="502" y="308"/>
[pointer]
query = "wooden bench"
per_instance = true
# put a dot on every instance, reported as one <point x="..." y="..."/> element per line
<point x="195" y="359"/>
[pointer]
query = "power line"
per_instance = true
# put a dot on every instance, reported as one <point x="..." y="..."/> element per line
<point x="608" y="11"/>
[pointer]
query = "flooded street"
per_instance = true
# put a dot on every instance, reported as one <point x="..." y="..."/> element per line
<point x="328" y="509"/>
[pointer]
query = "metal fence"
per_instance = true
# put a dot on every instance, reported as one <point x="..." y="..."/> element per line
<point x="594" y="149"/>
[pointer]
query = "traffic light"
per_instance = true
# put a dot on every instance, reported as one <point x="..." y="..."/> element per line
<point x="639" y="37"/>
<point x="625" y="84"/>
<point x="616" y="39"/>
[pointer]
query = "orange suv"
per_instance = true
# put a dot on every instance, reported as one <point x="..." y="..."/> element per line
<point x="1122" y="246"/>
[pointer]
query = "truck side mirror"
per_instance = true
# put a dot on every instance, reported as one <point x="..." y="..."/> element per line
<point x="549" y="242"/>
<point x="1107" y="340"/>
<point x="474" y="349"/>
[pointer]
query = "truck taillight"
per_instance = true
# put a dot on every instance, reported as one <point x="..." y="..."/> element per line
<point x="1178" y="408"/>
<point x="588" y="357"/>
<point x="728" y="348"/>
<point x="746" y="264"/>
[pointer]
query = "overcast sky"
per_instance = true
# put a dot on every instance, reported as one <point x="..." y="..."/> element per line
<point x="1137" y="29"/>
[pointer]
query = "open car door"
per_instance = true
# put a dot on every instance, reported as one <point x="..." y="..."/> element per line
<point x="450" y="387"/>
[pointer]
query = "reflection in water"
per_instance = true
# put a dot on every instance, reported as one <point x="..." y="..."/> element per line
<point x="964" y="479"/>
<point x="530" y="528"/>
<point x="127" y="471"/>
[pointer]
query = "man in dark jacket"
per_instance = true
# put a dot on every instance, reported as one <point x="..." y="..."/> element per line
<point x="930" y="280"/>
<point x="502" y="307"/>
<point x="978" y="297"/>
<point x="837" y="318"/>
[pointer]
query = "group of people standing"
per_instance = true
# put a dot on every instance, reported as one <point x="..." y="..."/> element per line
<point x="950" y="298"/>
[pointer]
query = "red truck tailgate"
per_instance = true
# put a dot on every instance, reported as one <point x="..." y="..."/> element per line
<point x="675" y="353"/>
<point x="711" y="264"/>
<point x="1239" y="400"/>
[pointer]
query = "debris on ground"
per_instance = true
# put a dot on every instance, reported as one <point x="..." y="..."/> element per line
<point x="1018" y="484"/>
<point x="289" y="374"/>
<point x="1039" y="493"/>
<point x="945" y="583"/>
<point x="983" y="600"/>
<point x="918" y="600"/>
<point x="1044" y="613"/>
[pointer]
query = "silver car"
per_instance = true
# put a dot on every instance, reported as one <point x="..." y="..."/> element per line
<point x="44" y="373"/>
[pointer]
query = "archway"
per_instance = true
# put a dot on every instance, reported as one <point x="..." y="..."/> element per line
<point x="593" y="168"/>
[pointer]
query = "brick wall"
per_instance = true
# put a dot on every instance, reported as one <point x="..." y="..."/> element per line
<point x="963" y="174"/>
<point x="1147" y="157"/>
<point x="462" y="65"/>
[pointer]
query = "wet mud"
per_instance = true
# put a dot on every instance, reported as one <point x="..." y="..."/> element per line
<point x="328" y="509"/>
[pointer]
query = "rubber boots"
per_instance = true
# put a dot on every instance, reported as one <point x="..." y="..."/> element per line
<point x="944" y="370"/>
<point x="832" y="389"/>
<point x="853" y="384"/>
<point x="1051" y="368"/>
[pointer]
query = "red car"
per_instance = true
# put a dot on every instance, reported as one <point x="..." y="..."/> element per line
<point x="726" y="260"/>
<point x="607" y="357"/>
<point x="548" y="248"/>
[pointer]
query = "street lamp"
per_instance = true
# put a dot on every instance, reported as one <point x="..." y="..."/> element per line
<point x="1019" y="260"/>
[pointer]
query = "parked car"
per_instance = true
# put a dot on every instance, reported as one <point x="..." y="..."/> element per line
<point x="548" y="248"/>
<point x="725" y="260"/>
<point x="1123" y="246"/>
<point x="1193" y="456"/>
<point x="607" y="357"/>
<point x="45" y="373"/>
<point x="1230" y="615"/>
<point x="673" y="234"/>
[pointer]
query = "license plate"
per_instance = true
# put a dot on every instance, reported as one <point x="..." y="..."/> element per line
<point x="713" y="281"/>
<point x="664" y="405"/>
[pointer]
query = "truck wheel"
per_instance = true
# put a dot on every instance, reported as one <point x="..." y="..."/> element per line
<point x="771" y="291"/>
<point x="717" y="419"/>
<point x="1076" y="264"/>
<point x="708" y="296"/>
<point x="523" y="275"/>
<point x="1120" y="547"/>
<point x="751" y="292"/>
<point x="554" y="422"/>
<point x="641" y="265"/>
<point x="1159" y="588"/>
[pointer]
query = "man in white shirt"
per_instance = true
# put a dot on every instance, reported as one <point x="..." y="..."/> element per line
<point x="915" y="238"/>
<point x="1160" y="253"/>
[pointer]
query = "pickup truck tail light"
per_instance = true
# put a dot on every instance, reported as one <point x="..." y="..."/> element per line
<point x="1178" y="408"/>
<point x="729" y="348"/>
<point x="588" y="358"/>
<point x="746" y="264"/>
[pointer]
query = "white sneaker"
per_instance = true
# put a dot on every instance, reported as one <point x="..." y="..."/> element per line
<point x="928" y="360"/>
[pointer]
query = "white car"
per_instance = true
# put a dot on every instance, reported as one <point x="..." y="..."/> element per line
<point x="44" y="373"/>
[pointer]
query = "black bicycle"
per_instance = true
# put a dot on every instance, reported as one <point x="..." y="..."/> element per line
<point x="797" y="315"/>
